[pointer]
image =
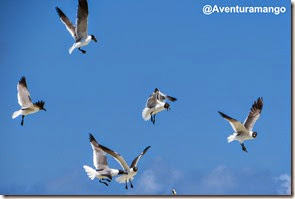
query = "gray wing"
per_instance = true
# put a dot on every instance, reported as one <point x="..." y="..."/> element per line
<point x="82" y="15"/>
<point x="70" y="27"/>
<point x="99" y="157"/>
<point x="152" y="101"/>
<point x="161" y="96"/>
<point x="117" y="157"/>
<point x="135" y="161"/>
<point x="23" y="94"/>
<point x="254" y="114"/>
<point x="235" y="124"/>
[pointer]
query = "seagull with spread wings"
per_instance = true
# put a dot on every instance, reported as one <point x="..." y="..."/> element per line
<point x="155" y="104"/>
<point x="100" y="162"/>
<point x="80" y="32"/>
<point x="24" y="100"/>
<point x="131" y="171"/>
<point x="245" y="131"/>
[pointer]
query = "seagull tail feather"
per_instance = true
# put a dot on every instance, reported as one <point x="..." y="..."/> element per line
<point x="146" y="114"/>
<point x="16" y="114"/>
<point x="231" y="138"/>
<point x="72" y="49"/>
<point x="90" y="172"/>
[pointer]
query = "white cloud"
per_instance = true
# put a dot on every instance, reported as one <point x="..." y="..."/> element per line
<point x="220" y="180"/>
<point x="284" y="181"/>
<point x="148" y="183"/>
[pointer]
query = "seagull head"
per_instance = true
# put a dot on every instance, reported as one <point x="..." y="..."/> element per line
<point x="254" y="134"/>
<point x="167" y="106"/>
<point x="135" y="169"/>
<point x="93" y="38"/>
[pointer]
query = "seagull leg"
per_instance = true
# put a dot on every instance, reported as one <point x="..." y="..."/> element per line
<point x="131" y="183"/>
<point x="126" y="186"/>
<point x="103" y="182"/>
<point x="154" y="119"/>
<point x="83" y="51"/>
<point x="22" y="122"/>
<point x="244" y="148"/>
<point x="107" y="179"/>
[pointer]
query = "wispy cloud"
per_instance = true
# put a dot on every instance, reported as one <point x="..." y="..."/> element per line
<point x="220" y="180"/>
<point x="161" y="178"/>
<point x="284" y="187"/>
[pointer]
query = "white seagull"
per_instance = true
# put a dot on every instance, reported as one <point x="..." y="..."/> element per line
<point x="24" y="100"/>
<point x="79" y="33"/>
<point x="102" y="170"/>
<point x="131" y="171"/>
<point x="245" y="131"/>
<point x="155" y="104"/>
<point x="173" y="192"/>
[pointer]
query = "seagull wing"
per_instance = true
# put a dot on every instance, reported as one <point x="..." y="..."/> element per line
<point x="99" y="157"/>
<point x="161" y="96"/>
<point x="82" y="16"/>
<point x="152" y="101"/>
<point x="254" y="114"/>
<point x="117" y="157"/>
<point x="70" y="27"/>
<point x="135" y="161"/>
<point x="23" y="94"/>
<point x="235" y="124"/>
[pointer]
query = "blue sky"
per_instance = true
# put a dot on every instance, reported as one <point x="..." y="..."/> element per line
<point x="221" y="62"/>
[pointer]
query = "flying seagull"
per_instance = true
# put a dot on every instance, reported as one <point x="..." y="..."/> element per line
<point x="79" y="33"/>
<point x="155" y="104"/>
<point x="131" y="171"/>
<point x="245" y="131"/>
<point x="173" y="192"/>
<point x="24" y="100"/>
<point x="102" y="170"/>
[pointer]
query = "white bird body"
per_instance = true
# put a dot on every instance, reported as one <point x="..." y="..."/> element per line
<point x="125" y="178"/>
<point x="241" y="138"/>
<point x="25" y="111"/>
<point x="147" y="112"/>
<point x="92" y="173"/>
<point x="81" y="43"/>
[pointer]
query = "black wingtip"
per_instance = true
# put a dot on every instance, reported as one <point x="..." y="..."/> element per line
<point x="59" y="12"/>
<point x="40" y="104"/>
<point x="172" y="99"/>
<point x="156" y="90"/>
<point x="57" y="9"/>
<point x="259" y="103"/>
<point x="91" y="138"/>
<point x="224" y="115"/>
<point x="221" y="113"/>
<point x="145" y="150"/>
<point x="22" y="81"/>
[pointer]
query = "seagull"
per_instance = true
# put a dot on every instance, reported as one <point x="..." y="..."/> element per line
<point x="155" y="104"/>
<point x="173" y="192"/>
<point x="24" y="100"/>
<point x="102" y="170"/>
<point x="79" y="33"/>
<point x="131" y="171"/>
<point x="245" y="131"/>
